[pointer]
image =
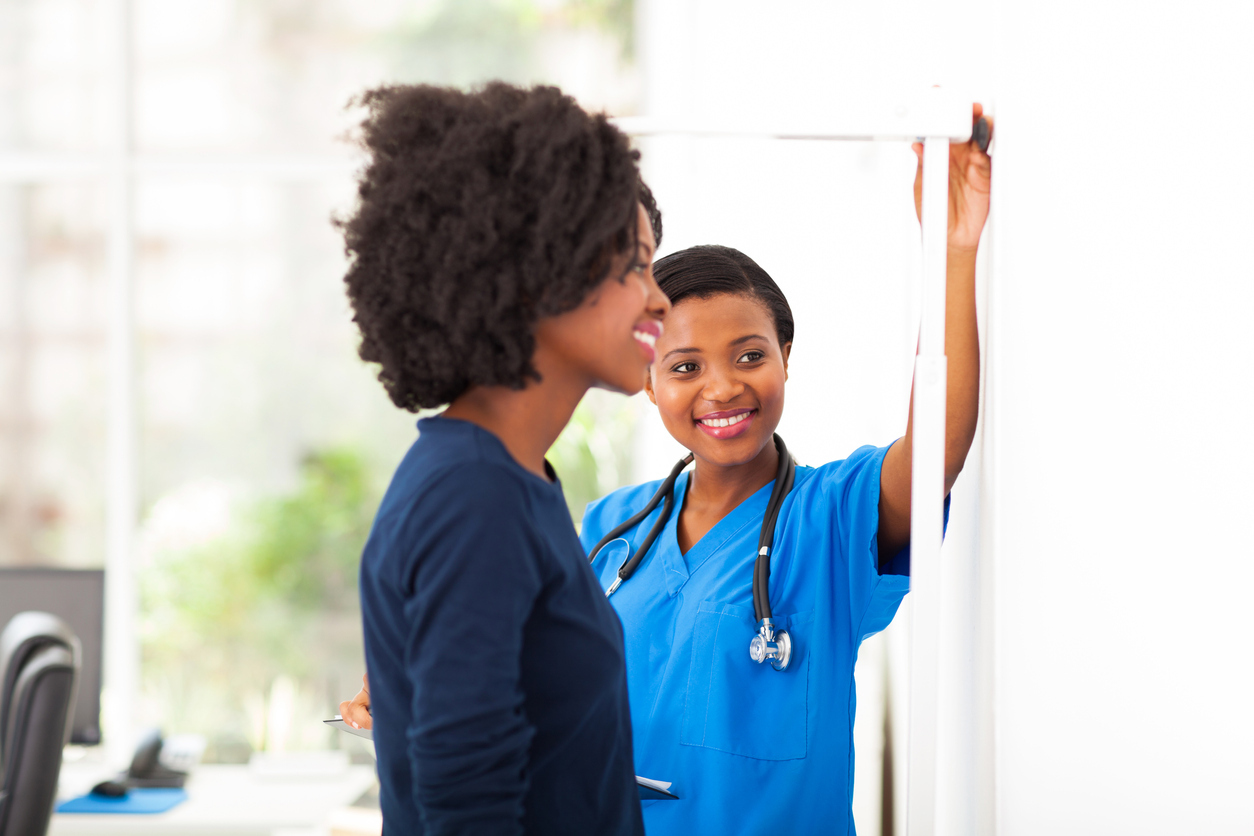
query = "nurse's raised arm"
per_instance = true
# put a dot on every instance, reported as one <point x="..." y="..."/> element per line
<point x="970" y="171"/>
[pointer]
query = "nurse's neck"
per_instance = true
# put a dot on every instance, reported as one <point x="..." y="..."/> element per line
<point x="715" y="490"/>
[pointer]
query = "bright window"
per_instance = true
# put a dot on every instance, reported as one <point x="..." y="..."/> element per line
<point x="170" y="276"/>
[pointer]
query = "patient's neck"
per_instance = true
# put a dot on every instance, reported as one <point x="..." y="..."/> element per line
<point x="528" y="420"/>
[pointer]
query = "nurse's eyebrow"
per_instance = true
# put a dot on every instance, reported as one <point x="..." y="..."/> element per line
<point x="748" y="337"/>
<point x="737" y="341"/>
<point x="680" y="351"/>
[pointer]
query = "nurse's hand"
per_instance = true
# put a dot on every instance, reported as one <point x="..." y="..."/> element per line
<point x="970" y="172"/>
<point x="356" y="712"/>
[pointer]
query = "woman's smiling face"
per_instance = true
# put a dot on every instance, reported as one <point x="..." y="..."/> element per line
<point x="718" y="380"/>
<point x="610" y="339"/>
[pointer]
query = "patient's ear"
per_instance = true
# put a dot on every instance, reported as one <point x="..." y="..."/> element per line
<point x="648" y="386"/>
<point x="787" y="350"/>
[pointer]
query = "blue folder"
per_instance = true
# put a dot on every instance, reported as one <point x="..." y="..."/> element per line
<point x="136" y="801"/>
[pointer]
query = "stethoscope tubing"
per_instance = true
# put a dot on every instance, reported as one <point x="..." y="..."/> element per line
<point x="785" y="476"/>
<point x="667" y="492"/>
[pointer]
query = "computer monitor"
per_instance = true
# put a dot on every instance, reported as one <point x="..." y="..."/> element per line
<point x="77" y="597"/>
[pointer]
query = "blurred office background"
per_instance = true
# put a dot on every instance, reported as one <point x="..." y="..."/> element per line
<point x="181" y="397"/>
<point x="181" y="402"/>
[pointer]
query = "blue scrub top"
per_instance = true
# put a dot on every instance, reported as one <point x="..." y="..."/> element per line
<point x="750" y="749"/>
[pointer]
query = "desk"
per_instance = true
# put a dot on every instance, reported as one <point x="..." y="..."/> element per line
<point x="226" y="800"/>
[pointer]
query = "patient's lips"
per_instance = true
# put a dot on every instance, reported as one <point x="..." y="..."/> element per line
<point x="646" y="333"/>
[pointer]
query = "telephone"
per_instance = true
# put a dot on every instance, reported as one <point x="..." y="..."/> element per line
<point x="146" y="770"/>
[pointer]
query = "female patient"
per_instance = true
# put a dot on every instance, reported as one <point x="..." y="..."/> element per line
<point x="500" y="264"/>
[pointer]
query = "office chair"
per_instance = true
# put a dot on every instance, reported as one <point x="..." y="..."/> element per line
<point x="40" y="658"/>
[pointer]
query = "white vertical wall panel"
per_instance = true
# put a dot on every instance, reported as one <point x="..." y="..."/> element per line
<point x="1121" y="400"/>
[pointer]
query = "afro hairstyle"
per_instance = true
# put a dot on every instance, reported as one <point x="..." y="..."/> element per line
<point x="478" y="213"/>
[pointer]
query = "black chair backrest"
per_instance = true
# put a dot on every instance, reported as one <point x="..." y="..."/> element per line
<point x="25" y="634"/>
<point x="40" y="659"/>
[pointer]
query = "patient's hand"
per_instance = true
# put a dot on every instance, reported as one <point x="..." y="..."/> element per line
<point x="356" y="712"/>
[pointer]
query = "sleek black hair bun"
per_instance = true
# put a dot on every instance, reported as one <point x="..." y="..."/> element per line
<point x="710" y="270"/>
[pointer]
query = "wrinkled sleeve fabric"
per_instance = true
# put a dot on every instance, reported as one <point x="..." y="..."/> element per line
<point x="876" y="584"/>
<point x="470" y="586"/>
<point x="851" y="489"/>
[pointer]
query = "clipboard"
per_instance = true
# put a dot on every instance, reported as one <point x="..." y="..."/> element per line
<point x="651" y="790"/>
<point x="337" y="722"/>
<point x="648" y="788"/>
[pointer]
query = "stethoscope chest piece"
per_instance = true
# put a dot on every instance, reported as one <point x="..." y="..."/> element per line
<point x="772" y="644"/>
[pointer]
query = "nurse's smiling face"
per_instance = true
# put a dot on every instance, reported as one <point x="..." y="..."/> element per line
<point x="718" y="380"/>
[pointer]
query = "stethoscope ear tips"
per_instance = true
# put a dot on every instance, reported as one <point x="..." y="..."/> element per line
<point x="772" y="644"/>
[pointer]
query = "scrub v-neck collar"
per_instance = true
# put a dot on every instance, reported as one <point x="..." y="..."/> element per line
<point x="679" y="566"/>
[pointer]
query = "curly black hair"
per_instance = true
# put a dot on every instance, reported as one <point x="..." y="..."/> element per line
<point x="479" y="213"/>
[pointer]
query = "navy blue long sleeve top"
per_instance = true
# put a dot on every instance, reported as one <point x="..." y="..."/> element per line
<point x="497" y="678"/>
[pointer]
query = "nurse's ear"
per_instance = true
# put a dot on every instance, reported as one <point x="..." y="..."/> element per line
<point x="786" y="350"/>
<point x="648" y="385"/>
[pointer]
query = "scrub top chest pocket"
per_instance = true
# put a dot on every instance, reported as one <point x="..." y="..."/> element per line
<point x="737" y="705"/>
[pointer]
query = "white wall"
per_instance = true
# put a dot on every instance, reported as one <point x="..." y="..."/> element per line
<point x="1095" y="572"/>
<point x="1120" y="402"/>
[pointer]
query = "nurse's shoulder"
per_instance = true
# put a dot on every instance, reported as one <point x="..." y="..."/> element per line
<point x="603" y="514"/>
<point x="858" y="472"/>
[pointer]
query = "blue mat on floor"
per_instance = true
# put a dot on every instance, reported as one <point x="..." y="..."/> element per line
<point x="136" y="801"/>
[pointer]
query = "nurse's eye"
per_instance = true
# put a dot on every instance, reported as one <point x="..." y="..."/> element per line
<point x="685" y="368"/>
<point x="751" y="356"/>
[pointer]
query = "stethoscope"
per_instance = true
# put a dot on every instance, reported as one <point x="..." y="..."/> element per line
<point x="769" y="643"/>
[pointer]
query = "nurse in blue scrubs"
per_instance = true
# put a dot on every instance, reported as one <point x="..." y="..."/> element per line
<point x="751" y="749"/>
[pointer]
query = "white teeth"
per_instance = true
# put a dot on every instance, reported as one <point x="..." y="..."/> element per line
<point x="726" y="422"/>
<point x="645" y="337"/>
